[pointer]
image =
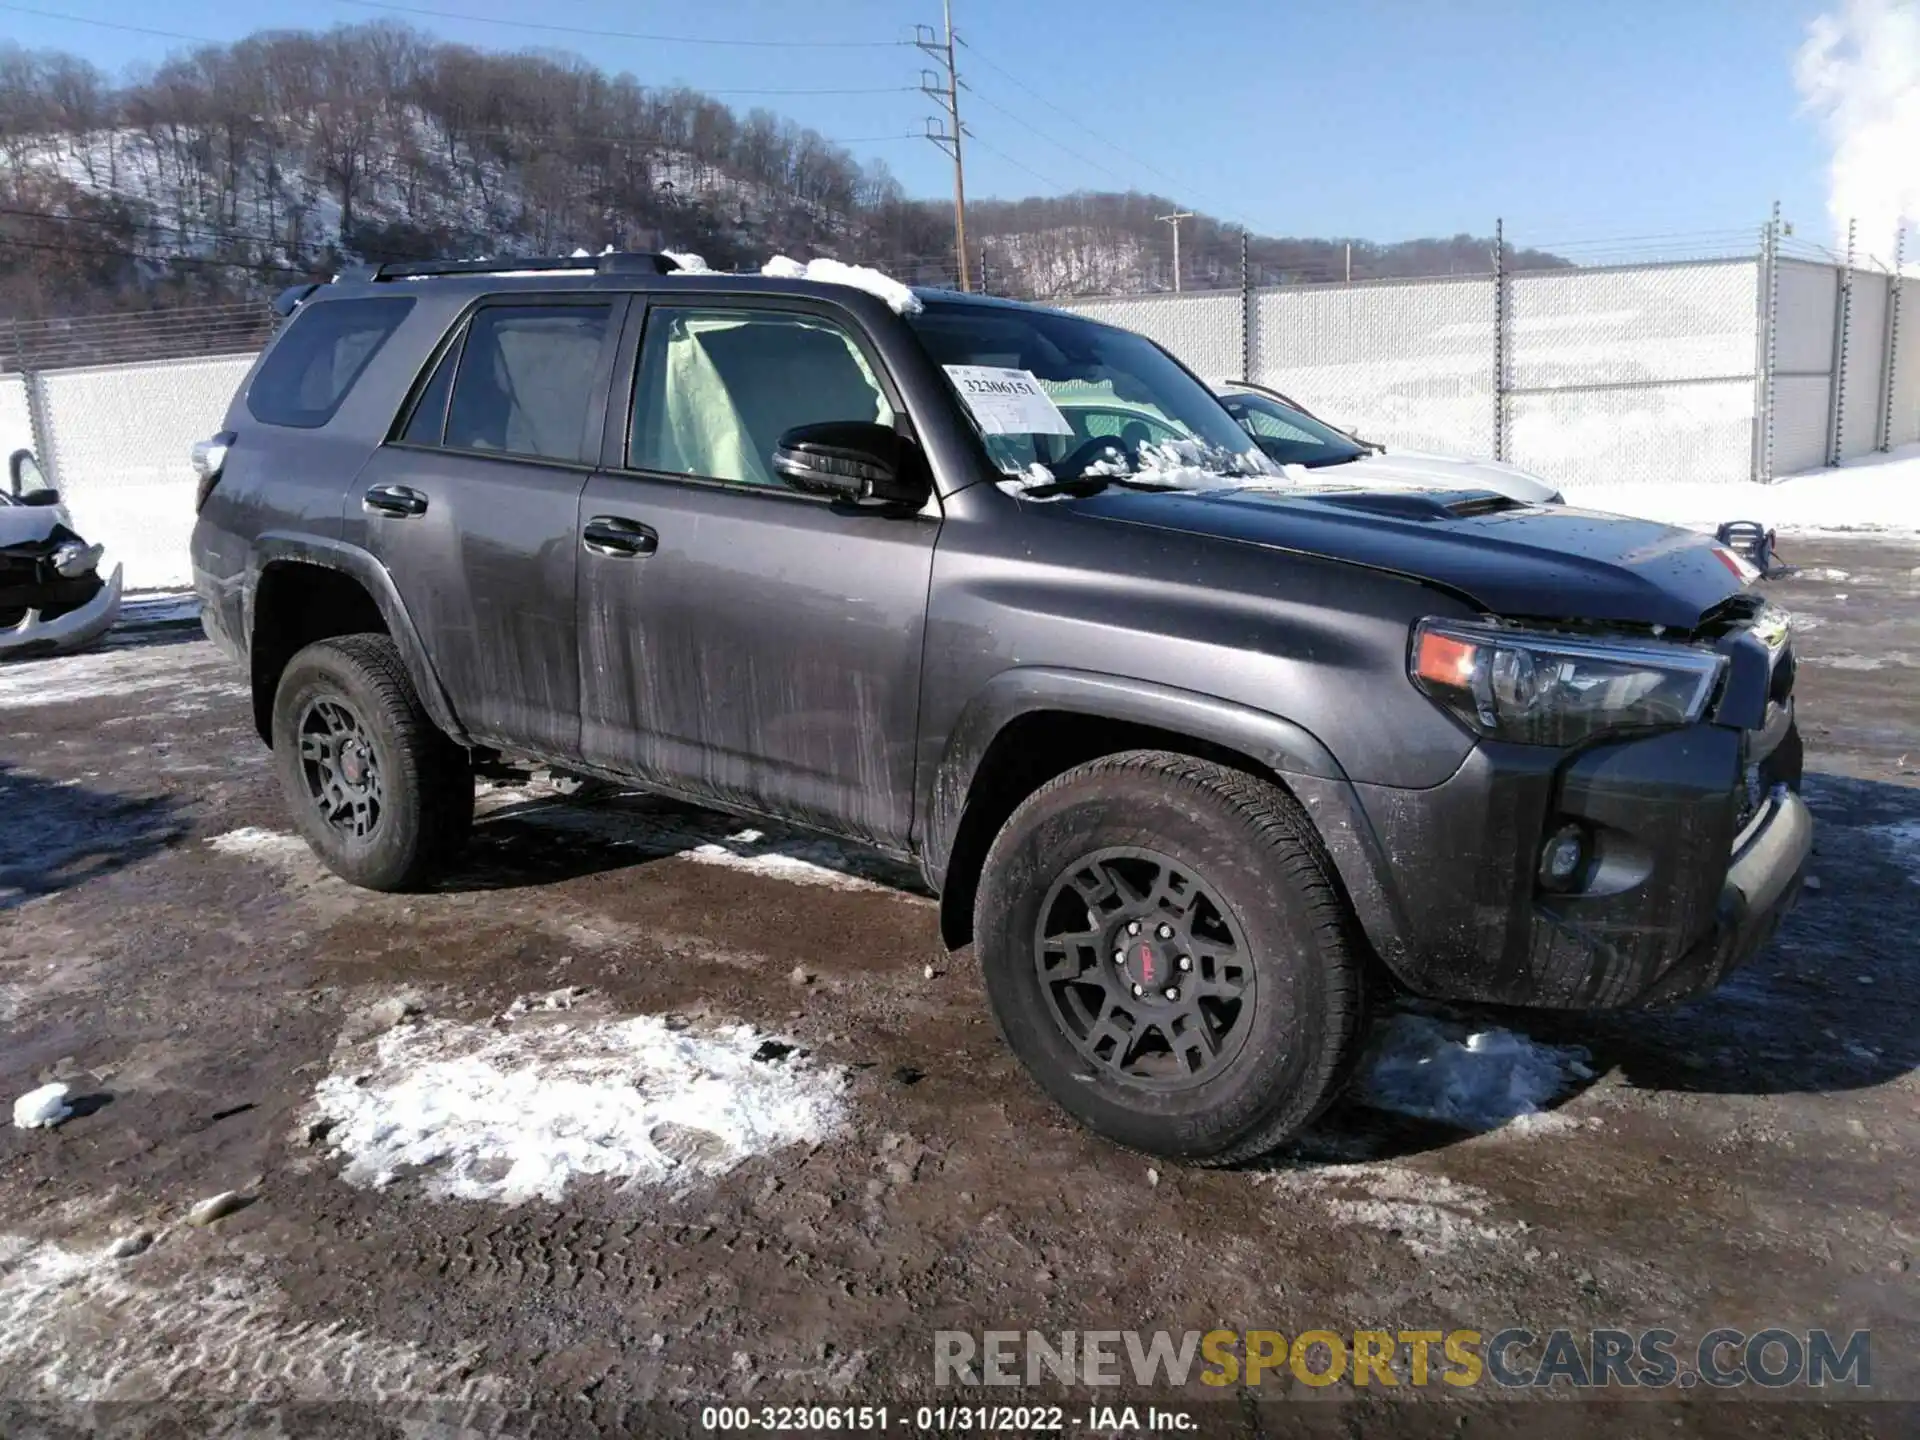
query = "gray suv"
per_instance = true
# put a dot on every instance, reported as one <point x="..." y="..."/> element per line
<point x="1199" y="753"/>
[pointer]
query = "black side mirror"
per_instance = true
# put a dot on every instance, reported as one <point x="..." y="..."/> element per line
<point x="853" y="460"/>
<point x="40" y="497"/>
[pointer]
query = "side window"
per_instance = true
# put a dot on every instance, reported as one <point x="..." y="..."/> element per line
<point x="716" y="389"/>
<point x="314" y="363"/>
<point x="526" y="378"/>
<point x="429" y="419"/>
<point x="1265" y="422"/>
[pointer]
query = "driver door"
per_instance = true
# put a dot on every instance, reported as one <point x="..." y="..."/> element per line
<point x="741" y="642"/>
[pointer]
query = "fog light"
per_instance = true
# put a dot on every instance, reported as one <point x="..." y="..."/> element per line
<point x="1562" y="857"/>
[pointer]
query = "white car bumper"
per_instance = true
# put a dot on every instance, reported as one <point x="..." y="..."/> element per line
<point x="34" y="636"/>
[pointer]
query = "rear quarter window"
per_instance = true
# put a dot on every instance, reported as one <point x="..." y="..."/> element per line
<point x="313" y="365"/>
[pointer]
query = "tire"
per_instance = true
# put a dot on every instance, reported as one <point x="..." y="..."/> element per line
<point x="1223" y="1075"/>
<point x="399" y="793"/>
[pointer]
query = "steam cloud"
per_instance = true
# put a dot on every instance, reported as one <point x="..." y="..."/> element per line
<point x="1859" y="72"/>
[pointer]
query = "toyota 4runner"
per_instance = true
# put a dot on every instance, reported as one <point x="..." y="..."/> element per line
<point x="1194" y="748"/>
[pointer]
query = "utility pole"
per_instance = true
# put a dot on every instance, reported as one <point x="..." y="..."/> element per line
<point x="948" y="134"/>
<point x="1174" y="220"/>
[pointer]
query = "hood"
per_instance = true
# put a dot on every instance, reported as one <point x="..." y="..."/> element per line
<point x="1406" y="468"/>
<point x="1514" y="561"/>
<point x="29" y="524"/>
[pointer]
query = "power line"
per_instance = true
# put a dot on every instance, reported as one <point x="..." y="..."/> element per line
<point x="1018" y="165"/>
<point x="599" y="34"/>
<point x="1018" y="120"/>
<point x="110" y="24"/>
<point x="1105" y="140"/>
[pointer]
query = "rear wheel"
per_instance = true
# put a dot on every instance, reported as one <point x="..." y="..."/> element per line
<point x="1166" y="953"/>
<point x="382" y="796"/>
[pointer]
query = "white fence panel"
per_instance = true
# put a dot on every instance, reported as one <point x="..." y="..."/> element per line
<point x="1202" y="331"/>
<point x="1407" y="364"/>
<point x="119" y="446"/>
<point x="1904" y="429"/>
<point x="16" y="421"/>
<point x="1808" y="303"/>
<point x="1866" y="374"/>
<point x="1800" y="419"/>
<point x="1635" y="374"/>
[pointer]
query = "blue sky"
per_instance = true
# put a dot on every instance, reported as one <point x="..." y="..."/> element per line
<point x="1379" y="119"/>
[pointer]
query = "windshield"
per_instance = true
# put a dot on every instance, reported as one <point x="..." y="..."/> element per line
<point x="1058" y="399"/>
<point x="1287" y="436"/>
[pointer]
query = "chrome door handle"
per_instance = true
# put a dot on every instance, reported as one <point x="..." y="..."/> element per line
<point x="624" y="539"/>
<point x="399" y="501"/>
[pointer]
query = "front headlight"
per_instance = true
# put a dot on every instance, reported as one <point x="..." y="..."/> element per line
<point x="1558" y="690"/>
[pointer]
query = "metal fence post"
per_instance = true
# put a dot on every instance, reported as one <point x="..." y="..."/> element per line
<point x="1499" y="339"/>
<point x="1246" y="307"/>
<point x="1844" y="320"/>
<point x="1769" y="346"/>
<point x="38" y="428"/>
<point x="1893" y="339"/>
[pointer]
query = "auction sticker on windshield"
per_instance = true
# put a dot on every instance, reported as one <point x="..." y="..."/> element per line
<point x="1008" y="402"/>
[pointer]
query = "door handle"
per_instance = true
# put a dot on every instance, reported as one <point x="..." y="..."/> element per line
<point x="399" y="501"/>
<point x="611" y="535"/>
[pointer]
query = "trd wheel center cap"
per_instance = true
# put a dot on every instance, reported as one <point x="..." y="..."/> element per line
<point x="1148" y="965"/>
<point x="353" y="763"/>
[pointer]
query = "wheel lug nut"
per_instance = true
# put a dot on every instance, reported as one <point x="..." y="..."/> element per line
<point x="1165" y="932"/>
<point x="1119" y="957"/>
<point x="1138" y="992"/>
<point x="1173" y="992"/>
<point x="1133" y="928"/>
<point x="1186" y="962"/>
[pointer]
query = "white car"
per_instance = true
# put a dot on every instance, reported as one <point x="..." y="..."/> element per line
<point x="51" y="595"/>
<point x="1291" y="436"/>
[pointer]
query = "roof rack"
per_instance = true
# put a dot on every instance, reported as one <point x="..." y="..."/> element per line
<point x="619" y="262"/>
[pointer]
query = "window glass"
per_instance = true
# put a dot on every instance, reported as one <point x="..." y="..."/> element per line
<point x="1288" y="436"/>
<point x="718" y="388"/>
<point x="429" y="418"/>
<point x="526" y="377"/>
<point x="314" y="363"/>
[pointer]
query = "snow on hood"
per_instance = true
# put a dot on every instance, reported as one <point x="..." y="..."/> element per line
<point x="834" y="272"/>
<point x="1165" y="465"/>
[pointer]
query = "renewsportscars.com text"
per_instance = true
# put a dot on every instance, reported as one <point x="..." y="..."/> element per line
<point x="1773" y="1358"/>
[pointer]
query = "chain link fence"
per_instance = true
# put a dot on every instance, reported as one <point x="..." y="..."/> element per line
<point x="1743" y="366"/>
<point x="1738" y="367"/>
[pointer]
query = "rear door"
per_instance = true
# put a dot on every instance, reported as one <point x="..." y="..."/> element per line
<point x="740" y="641"/>
<point x="473" y="509"/>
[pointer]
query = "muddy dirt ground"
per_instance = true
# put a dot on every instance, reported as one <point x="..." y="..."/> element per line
<point x="168" y="951"/>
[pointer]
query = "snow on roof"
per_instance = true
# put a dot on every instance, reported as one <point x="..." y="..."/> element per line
<point x="835" y="272"/>
<point x="689" y="263"/>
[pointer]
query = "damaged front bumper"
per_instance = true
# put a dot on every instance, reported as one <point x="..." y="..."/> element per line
<point x="1693" y="843"/>
<point x="47" y="615"/>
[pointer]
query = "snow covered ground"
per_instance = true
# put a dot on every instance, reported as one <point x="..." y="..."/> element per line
<point x="516" y="1110"/>
<point x="1874" y="494"/>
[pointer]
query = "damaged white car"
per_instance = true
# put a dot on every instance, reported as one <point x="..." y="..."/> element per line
<point x="51" y="595"/>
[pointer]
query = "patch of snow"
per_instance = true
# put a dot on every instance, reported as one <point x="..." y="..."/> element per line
<point x="1428" y="1213"/>
<point x="899" y="297"/>
<point x="689" y="263"/>
<point x="1873" y="495"/>
<point x="1902" y="841"/>
<point x="1823" y="572"/>
<point x="115" y="672"/>
<point x="254" y="841"/>
<point x="515" y="1113"/>
<point x="75" y="1326"/>
<point x="1476" y="1079"/>
<point x="42" y="1109"/>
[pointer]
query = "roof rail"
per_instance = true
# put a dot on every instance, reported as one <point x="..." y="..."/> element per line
<point x="616" y="262"/>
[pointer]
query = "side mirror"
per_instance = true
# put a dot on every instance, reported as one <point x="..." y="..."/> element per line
<point x="25" y="479"/>
<point x="853" y="460"/>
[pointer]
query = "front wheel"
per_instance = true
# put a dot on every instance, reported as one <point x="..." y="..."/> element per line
<point x="383" y="797"/>
<point x="1165" y="951"/>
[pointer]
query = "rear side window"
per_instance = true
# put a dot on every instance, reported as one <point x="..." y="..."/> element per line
<point x="526" y="381"/>
<point x="314" y="363"/>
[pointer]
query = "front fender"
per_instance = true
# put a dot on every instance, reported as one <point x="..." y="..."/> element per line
<point x="373" y="577"/>
<point x="1279" y="745"/>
